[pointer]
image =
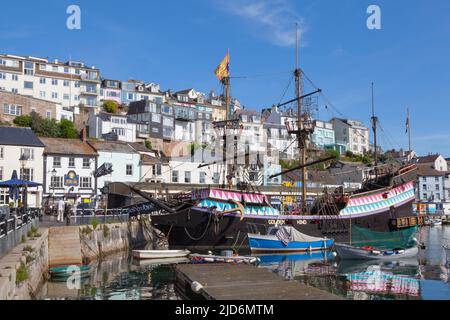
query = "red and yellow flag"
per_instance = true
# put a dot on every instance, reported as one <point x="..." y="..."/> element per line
<point x="223" y="70"/>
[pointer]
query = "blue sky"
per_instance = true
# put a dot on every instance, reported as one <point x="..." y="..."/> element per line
<point x="179" y="43"/>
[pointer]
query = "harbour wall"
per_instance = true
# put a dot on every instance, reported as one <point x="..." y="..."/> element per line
<point x="107" y="239"/>
<point x="24" y="269"/>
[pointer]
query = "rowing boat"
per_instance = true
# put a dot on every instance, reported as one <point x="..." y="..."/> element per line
<point x="160" y="254"/>
<point x="354" y="253"/>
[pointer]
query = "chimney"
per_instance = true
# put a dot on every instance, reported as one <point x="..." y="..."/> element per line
<point x="83" y="134"/>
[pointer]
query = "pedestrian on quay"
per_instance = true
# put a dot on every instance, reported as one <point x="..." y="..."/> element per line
<point x="61" y="207"/>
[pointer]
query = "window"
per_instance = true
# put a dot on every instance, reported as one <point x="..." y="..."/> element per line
<point x="436" y="179"/>
<point x="202" y="177"/>
<point x="187" y="177"/>
<point x="12" y="109"/>
<point x="1" y="173"/>
<point x="56" y="182"/>
<point x="66" y="96"/>
<point x="119" y="131"/>
<point x="66" y="70"/>
<point x="2" y="76"/>
<point x="66" y="83"/>
<point x="57" y="162"/>
<point x="77" y="84"/>
<point x="166" y="110"/>
<point x="54" y="95"/>
<point x="175" y="176"/>
<point x="28" y="68"/>
<point x="168" y="122"/>
<point x="48" y="114"/>
<point x="1" y="154"/>
<point x="86" y="163"/>
<point x="15" y="90"/>
<point x="129" y="170"/>
<point x="216" y="178"/>
<point x="42" y="94"/>
<point x="156" y="118"/>
<point x="130" y="96"/>
<point x="26" y="174"/>
<point x="42" y="80"/>
<point x="27" y="153"/>
<point x="15" y="77"/>
<point x="155" y="130"/>
<point x="55" y="68"/>
<point x="151" y="107"/>
<point x="424" y="187"/>
<point x="55" y="82"/>
<point x="437" y="186"/>
<point x="86" y="183"/>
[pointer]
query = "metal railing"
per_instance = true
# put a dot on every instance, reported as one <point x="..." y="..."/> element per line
<point x="87" y="216"/>
<point x="16" y="221"/>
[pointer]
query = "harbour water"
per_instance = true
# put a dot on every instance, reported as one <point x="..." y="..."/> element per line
<point x="425" y="277"/>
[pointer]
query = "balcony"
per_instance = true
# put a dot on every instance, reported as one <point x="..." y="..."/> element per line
<point x="142" y="134"/>
<point x="90" y="78"/>
<point x="89" y="91"/>
<point x="184" y="116"/>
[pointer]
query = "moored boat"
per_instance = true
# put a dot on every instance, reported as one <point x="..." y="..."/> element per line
<point x="349" y="252"/>
<point x="209" y="258"/>
<point x="286" y="239"/>
<point x="160" y="254"/>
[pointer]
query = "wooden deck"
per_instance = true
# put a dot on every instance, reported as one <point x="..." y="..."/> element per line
<point x="243" y="282"/>
<point x="64" y="246"/>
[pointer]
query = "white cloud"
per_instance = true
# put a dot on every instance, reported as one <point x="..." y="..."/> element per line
<point x="276" y="18"/>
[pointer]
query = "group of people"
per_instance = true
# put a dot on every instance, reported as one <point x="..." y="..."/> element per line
<point x="64" y="208"/>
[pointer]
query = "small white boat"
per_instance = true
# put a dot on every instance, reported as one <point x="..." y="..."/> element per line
<point x="346" y="251"/>
<point x="204" y="258"/>
<point x="436" y="222"/>
<point x="160" y="254"/>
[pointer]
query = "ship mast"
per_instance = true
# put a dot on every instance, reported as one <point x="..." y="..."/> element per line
<point x="374" y="127"/>
<point x="301" y="137"/>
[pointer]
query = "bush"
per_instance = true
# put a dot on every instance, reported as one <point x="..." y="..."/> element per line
<point x="333" y="153"/>
<point x="68" y="130"/>
<point x="22" y="273"/>
<point x="105" y="231"/>
<point x="23" y="121"/>
<point x="110" y="106"/>
<point x="148" y="144"/>
<point x="28" y="249"/>
<point x="95" y="223"/>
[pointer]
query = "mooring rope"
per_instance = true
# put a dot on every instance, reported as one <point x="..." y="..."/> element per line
<point x="204" y="233"/>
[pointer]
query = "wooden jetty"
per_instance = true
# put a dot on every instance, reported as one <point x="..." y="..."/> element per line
<point x="242" y="282"/>
<point x="64" y="246"/>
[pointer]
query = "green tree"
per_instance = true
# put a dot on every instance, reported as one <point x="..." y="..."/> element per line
<point x="67" y="129"/>
<point x="333" y="153"/>
<point x="23" y="121"/>
<point x="148" y="144"/>
<point x="110" y="106"/>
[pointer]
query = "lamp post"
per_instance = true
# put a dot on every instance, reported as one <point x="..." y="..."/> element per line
<point x="23" y="161"/>
<point x="53" y="172"/>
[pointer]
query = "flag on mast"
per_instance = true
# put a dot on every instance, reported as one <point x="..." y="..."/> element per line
<point x="223" y="70"/>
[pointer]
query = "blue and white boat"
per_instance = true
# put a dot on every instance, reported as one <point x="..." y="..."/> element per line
<point x="287" y="239"/>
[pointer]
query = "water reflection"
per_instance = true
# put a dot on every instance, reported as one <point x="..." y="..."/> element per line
<point x="424" y="277"/>
<point x="120" y="278"/>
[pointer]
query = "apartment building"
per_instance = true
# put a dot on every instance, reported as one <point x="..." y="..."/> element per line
<point x="324" y="136"/>
<point x="70" y="83"/>
<point x="111" y="90"/>
<point x="352" y="134"/>
<point x="279" y="141"/>
<point x="13" y="105"/>
<point x="111" y="127"/>
<point x="137" y="90"/>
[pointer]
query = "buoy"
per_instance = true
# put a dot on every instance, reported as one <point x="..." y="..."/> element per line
<point x="196" y="286"/>
<point x="334" y="254"/>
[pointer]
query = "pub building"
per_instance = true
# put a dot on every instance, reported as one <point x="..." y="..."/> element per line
<point x="69" y="167"/>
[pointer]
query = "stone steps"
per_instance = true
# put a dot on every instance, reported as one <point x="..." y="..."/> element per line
<point x="64" y="247"/>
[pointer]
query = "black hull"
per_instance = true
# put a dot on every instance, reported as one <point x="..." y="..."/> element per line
<point x="199" y="229"/>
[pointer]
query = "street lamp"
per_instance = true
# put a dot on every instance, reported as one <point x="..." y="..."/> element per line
<point x="53" y="172"/>
<point x="23" y="161"/>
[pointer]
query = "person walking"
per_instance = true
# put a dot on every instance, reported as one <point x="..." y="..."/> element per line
<point x="61" y="207"/>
